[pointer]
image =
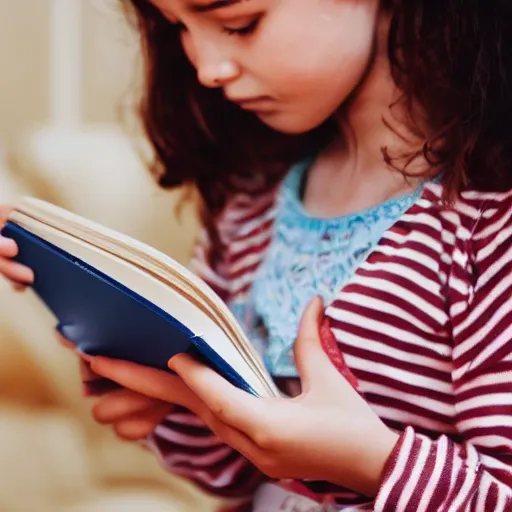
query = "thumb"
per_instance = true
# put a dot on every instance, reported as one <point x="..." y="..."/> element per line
<point x="310" y="358"/>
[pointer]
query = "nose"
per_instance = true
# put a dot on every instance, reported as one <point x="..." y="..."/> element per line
<point x="217" y="75"/>
<point x="215" y="67"/>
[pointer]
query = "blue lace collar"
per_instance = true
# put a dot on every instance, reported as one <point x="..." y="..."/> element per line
<point x="308" y="256"/>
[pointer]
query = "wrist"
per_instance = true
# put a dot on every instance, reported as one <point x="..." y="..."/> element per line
<point x="382" y="446"/>
<point x="364" y="468"/>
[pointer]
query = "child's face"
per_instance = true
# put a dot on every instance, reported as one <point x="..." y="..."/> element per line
<point x="291" y="62"/>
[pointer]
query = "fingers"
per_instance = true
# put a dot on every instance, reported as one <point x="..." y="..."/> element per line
<point x="135" y="414"/>
<point x="228" y="403"/>
<point x="8" y="247"/>
<point x="132" y="416"/>
<point x="18" y="287"/>
<point x="19" y="275"/>
<point x="122" y="404"/>
<point x="310" y="358"/>
<point x="310" y="321"/>
<point x="315" y="367"/>
<point x="86" y="373"/>
<point x="140" y="426"/>
<point x="147" y="381"/>
<point x="15" y="271"/>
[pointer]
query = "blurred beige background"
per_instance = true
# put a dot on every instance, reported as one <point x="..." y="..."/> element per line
<point x="69" y="68"/>
<point x="109" y="55"/>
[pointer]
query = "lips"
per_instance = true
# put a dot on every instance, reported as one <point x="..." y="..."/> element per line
<point x="255" y="103"/>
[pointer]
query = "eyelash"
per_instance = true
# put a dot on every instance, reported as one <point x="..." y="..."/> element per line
<point x="241" y="31"/>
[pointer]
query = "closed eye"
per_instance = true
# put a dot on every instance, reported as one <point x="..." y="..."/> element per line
<point x="232" y="31"/>
<point x="245" y="30"/>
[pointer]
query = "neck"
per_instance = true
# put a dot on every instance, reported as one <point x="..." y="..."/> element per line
<point x="361" y="120"/>
<point x="351" y="174"/>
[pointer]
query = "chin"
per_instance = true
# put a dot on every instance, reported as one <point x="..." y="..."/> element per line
<point x="290" y="126"/>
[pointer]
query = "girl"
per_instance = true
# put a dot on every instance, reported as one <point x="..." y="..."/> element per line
<point x="356" y="153"/>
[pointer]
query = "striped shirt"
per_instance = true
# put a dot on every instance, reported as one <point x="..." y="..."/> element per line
<point x="425" y="324"/>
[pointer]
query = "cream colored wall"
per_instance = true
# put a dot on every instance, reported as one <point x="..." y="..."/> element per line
<point x="110" y="60"/>
<point x="53" y="457"/>
<point x="23" y="65"/>
<point x="110" y="56"/>
<point x="96" y="166"/>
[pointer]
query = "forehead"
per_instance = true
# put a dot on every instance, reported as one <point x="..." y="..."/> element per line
<point x="197" y="6"/>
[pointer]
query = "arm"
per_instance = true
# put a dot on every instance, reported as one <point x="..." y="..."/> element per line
<point x="474" y="473"/>
<point x="186" y="446"/>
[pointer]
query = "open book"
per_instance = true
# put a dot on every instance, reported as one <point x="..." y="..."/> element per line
<point x="117" y="297"/>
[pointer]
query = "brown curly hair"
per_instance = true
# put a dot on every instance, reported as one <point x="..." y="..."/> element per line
<point x="453" y="58"/>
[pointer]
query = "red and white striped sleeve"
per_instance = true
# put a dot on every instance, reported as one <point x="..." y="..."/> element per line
<point x="474" y="471"/>
<point x="185" y="445"/>
<point x="201" y="266"/>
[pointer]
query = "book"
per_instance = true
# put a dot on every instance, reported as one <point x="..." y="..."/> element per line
<point x="115" y="296"/>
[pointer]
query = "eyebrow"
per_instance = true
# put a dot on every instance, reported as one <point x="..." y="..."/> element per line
<point x="216" y="4"/>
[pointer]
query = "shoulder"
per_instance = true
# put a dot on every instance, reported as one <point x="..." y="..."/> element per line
<point x="470" y="239"/>
<point x="493" y="227"/>
<point x="490" y="236"/>
<point x="483" y="241"/>
<point x="484" y="215"/>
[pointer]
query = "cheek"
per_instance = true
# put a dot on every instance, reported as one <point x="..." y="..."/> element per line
<point x="334" y="73"/>
<point x="332" y="53"/>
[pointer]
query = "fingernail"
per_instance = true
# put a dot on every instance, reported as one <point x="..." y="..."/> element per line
<point x="318" y="303"/>
<point x="174" y="359"/>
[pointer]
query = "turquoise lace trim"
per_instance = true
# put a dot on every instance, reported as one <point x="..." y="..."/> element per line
<point x="307" y="256"/>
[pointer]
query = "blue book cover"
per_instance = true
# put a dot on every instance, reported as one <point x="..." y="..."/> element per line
<point x="103" y="317"/>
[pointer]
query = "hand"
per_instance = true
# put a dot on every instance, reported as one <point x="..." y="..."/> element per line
<point x="19" y="275"/>
<point x="157" y="385"/>
<point x="327" y="433"/>
<point x="147" y="396"/>
<point x="132" y="415"/>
